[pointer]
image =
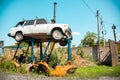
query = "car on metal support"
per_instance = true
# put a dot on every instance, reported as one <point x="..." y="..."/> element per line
<point x="41" y="30"/>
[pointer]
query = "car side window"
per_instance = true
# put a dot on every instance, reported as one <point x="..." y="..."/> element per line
<point x="41" y="21"/>
<point x="29" y="22"/>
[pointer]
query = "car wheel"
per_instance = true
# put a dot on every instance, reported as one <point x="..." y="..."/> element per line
<point x="57" y="34"/>
<point x="63" y="43"/>
<point x="19" y="36"/>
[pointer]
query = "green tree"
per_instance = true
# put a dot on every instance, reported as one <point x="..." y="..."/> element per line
<point x="89" y="39"/>
<point x="102" y="41"/>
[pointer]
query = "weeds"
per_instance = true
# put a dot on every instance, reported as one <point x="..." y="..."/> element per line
<point x="97" y="71"/>
<point x="8" y="66"/>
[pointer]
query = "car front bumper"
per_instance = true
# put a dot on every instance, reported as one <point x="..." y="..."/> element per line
<point x="68" y="34"/>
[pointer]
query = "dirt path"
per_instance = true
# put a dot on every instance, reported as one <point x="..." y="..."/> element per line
<point x="6" y="76"/>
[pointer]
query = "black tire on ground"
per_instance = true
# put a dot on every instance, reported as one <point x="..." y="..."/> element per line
<point x="57" y="34"/>
<point x="18" y="36"/>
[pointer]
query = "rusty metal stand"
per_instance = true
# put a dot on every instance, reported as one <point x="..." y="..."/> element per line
<point x="41" y="52"/>
<point x="32" y="51"/>
<point x="16" y="50"/>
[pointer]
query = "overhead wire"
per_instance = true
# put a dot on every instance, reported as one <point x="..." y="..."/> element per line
<point x="88" y="7"/>
<point x="92" y="11"/>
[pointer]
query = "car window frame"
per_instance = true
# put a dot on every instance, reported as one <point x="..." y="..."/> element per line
<point x="24" y="23"/>
<point x="19" y="23"/>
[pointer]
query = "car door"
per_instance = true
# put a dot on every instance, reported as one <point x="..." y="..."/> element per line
<point x="28" y="27"/>
<point x="40" y="28"/>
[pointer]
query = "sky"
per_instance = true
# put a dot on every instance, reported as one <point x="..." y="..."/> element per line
<point x="80" y="17"/>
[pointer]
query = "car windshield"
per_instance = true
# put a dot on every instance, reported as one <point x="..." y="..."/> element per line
<point x="19" y="24"/>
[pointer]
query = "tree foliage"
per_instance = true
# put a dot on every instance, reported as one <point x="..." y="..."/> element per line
<point x="102" y="41"/>
<point x="89" y="39"/>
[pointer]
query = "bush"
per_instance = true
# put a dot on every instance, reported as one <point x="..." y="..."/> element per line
<point x="7" y="66"/>
<point x="21" y="69"/>
<point x="53" y="60"/>
<point x="81" y="52"/>
<point x="90" y="58"/>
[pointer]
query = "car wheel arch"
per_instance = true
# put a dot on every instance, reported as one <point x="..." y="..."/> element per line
<point x="56" y="28"/>
<point x="59" y="33"/>
<point x="19" y="32"/>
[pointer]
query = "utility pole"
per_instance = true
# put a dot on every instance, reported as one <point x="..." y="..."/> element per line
<point x="103" y="33"/>
<point x="54" y="17"/>
<point x="97" y="15"/>
<point x="114" y="27"/>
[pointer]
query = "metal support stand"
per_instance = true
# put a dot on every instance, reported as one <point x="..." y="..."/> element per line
<point x="43" y="66"/>
<point x="69" y="50"/>
<point x="51" y="46"/>
<point x="27" y="50"/>
<point x="43" y="57"/>
<point x="41" y="51"/>
<point x="16" y="50"/>
<point x="32" y="51"/>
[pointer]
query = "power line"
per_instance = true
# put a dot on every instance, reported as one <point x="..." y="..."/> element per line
<point x="92" y="11"/>
<point x="88" y="7"/>
<point x="110" y="23"/>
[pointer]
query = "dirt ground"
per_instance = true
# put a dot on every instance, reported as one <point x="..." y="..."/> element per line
<point x="7" y="76"/>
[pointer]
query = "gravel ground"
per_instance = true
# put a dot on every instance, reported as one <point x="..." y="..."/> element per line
<point x="6" y="76"/>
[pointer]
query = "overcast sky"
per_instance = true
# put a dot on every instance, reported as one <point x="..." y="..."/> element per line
<point x="79" y="14"/>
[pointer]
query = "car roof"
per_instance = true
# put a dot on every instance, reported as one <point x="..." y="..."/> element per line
<point x="31" y="22"/>
<point x="38" y="21"/>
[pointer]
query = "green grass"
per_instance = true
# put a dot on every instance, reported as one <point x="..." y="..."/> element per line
<point x="8" y="66"/>
<point x="97" y="71"/>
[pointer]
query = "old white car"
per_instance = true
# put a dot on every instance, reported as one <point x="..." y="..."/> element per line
<point x="39" y="29"/>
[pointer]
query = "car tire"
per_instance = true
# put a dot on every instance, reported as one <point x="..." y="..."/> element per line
<point x="63" y="43"/>
<point x="57" y="34"/>
<point x="18" y="36"/>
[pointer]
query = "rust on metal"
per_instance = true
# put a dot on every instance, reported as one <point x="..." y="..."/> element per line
<point x="59" y="70"/>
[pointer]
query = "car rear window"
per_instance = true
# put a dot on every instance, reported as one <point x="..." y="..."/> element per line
<point x="41" y="21"/>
